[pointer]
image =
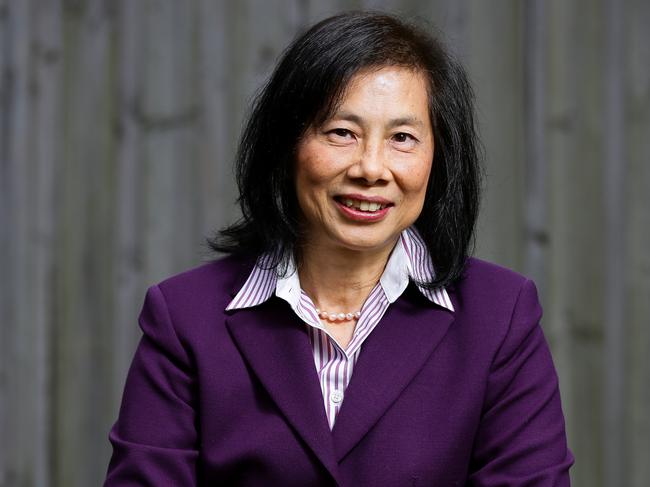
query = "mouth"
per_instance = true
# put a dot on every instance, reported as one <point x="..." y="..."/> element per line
<point x="363" y="204"/>
<point x="363" y="209"/>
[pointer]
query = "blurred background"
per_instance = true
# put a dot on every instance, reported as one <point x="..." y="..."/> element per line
<point x="118" y="124"/>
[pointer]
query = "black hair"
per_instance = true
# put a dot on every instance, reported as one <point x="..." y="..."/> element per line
<point x="304" y="89"/>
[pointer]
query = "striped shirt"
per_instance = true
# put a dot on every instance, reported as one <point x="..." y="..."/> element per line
<point x="334" y="364"/>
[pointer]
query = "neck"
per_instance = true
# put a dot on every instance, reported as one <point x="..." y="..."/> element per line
<point x="340" y="280"/>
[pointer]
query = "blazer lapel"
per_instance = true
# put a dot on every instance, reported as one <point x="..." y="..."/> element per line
<point x="275" y="344"/>
<point x="390" y="357"/>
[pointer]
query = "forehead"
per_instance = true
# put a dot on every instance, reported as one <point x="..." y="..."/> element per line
<point x="383" y="76"/>
<point x="392" y="88"/>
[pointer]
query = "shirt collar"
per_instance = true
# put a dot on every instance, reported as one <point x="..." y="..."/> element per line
<point x="409" y="259"/>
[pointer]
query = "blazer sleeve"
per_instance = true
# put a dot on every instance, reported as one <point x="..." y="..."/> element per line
<point x="521" y="439"/>
<point x="155" y="439"/>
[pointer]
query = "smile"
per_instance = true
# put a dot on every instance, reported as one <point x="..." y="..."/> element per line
<point x="363" y="205"/>
<point x="361" y="208"/>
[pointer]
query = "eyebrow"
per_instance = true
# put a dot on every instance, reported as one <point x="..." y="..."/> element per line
<point x="395" y="122"/>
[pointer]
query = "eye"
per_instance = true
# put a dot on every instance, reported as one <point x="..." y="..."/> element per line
<point x="340" y="136"/>
<point x="402" y="137"/>
<point x="404" y="141"/>
<point x="343" y="133"/>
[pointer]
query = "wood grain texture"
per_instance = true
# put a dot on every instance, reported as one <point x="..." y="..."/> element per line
<point x="127" y="252"/>
<point x="83" y="280"/>
<point x="577" y="257"/>
<point x="23" y="385"/>
<point x="5" y="313"/>
<point x="118" y="126"/>
<point x="560" y="124"/>
<point x="615" y="166"/>
<point x="495" y="60"/>
<point x="636" y="329"/>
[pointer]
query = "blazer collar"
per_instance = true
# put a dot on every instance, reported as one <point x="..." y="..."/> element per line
<point x="274" y="342"/>
<point x="391" y="356"/>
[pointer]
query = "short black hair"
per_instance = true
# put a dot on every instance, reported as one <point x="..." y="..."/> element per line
<point x="305" y="87"/>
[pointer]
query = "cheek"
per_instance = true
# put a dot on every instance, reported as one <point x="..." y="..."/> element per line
<point x="311" y="182"/>
<point x="315" y="169"/>
<point x="307" y="162"/>
<point x="415" y="181"/>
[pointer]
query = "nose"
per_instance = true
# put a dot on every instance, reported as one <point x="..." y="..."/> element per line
<point x="370" y="166"/>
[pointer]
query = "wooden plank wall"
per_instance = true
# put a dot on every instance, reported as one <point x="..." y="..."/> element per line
<point x="118" y="122"/>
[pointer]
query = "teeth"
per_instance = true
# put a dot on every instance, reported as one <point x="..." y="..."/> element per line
<point x="363" y="205"/>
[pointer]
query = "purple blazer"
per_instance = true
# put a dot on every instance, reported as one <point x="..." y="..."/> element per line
<point x="437" y="398"/>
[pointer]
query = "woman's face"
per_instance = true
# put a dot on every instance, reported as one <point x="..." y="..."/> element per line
<point x="362" y="175"/>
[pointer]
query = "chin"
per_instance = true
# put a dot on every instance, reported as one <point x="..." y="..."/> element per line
<point x="366" y="243"/>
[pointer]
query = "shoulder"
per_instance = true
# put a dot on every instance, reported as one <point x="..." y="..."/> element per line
<point x="488" y="287"/>
<point x="222" y="275"/>
<point x="205" y="289"/>
<point x="496" y="310"/>
<point x="190" y="305"/>
<point x="481" y="273"/>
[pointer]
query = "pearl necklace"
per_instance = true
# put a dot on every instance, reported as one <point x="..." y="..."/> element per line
<point x="334" y="317"/>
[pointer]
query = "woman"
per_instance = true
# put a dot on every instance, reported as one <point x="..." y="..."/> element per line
<point x="347" y="339"/>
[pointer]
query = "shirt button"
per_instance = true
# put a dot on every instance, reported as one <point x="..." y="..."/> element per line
<point x="336" y="396"/>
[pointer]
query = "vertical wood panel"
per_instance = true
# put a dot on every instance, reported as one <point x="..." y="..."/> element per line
<point x="560" y="127"/>
<point x="5" y="315"/>
<point x="494" y="59"/>
<point x="83" y="278"/>
<point x="535" y="187"/>
<point x="586" y="274"/>
<point x="578" y="215"/>
<point x="26" y="460"/>
<point x="218" y="125"/>
<point x="615" y="165"/>
<point x="128" y="283"/>
<point x="167" y="109"/>
<point x="47" y="119"/>
<point x="636" y="53"/>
